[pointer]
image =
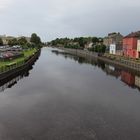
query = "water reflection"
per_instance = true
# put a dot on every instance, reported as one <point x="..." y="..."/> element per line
<point x="62" y="99"/>
<point x="112" y="71"/>
<point x="12" y="80"/>
<point x="130" y="78"/>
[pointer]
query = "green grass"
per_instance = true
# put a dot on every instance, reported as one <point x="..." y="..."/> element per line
<point x="27" y="54"/>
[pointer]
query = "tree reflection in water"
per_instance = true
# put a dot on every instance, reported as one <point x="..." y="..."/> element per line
<point x="130" y="78"/>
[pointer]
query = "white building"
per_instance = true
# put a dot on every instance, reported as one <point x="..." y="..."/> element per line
<point x="88" y="45"/>
<point x="112" y="49"/>
<point x="138" y="48"/>
<point x="115" y="49"/>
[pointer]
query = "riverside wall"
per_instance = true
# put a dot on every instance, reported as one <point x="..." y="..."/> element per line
<point x="23" y="67"/>
<point x="123" y="63"/>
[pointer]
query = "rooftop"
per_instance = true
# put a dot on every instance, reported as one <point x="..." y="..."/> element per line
<point x="133" y="34"/>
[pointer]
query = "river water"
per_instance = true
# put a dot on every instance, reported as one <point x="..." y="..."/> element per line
<point x="65" y="97"/>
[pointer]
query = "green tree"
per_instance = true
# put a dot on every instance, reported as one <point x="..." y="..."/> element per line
<point x="95" y="40"/>
<point x="13" y="42"/>
<point x="1" y="42"/>
<point x="35" y="39"/>
<point x="82" y="41"/>
<point x="22" y="41"/>
<point x="98" y="48"/>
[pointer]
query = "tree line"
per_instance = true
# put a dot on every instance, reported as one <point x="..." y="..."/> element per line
<point x="80" y="43"/>
<point x="35" y="41"/>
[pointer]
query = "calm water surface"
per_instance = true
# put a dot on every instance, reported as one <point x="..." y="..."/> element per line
<point x="66" y="98"/>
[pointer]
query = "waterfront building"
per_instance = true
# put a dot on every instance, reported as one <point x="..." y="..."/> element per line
<point x="138" y="47"/>
<point x="113" y="42"/>
<point x="112" y="49"/>
<point x="115" y="49"/>
<point x="6" y="39"/>
<point x="131" y="45"/>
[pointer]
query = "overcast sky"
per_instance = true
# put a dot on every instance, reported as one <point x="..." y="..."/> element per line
<point x="68" y="18"/>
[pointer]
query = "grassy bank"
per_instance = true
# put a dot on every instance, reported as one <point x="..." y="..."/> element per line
<point x="6" y="65"/>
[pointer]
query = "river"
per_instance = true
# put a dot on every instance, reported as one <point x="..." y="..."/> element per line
<point x="64" y="97"/>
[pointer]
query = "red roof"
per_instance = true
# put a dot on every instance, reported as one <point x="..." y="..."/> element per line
<point x="133" y="34"/>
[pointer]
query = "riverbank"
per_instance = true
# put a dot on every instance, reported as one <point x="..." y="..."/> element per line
<point x="26" y="54"/>
<point x="19" y="64"/>
<point x="120" y="62"/>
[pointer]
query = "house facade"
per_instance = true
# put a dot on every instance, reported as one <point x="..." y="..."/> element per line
<point x="138" y="47"/>
<point x="116" y="49"/>
<point x="114" y="43"/>
<point x="131" y="45"/>
<point x="6" y="39"/>
<point x="112" y="49"/>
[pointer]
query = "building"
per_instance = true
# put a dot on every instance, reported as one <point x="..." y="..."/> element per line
<point x="88" y="45"/>
<point x="138" y="47"/>
<point x="116" y="49"/>
<point x="112" y="49"/>
<point x="131" y="45"/>
<point x="6" y="39"/>
<point x="113" y="42"/>
<point x="113" y="38"/>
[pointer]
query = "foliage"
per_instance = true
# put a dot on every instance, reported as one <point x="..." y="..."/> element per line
<point x="35" y="39"/>
<point x="72" y="46"/>
<point x="22" y="41"/>
<point x="61" y="41"/>
<point x="95" y="40"/>
<point x="78" y="42"/>
<point x="1" y="42"/>
<point x="13" y="42"/>
<point x="82" y="41"/>
<point x="27" y="53"/>
<point x="98" y="48"/>
<point x="34" y="42"/>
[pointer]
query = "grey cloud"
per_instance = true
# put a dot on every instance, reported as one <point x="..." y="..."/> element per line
<point x="61" y="18"/>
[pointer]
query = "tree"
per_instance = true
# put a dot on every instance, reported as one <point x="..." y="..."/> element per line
<point x="82" y="41"/>
<point x="22" y="41"/>
<point x="98" y="48"/>
<point x="13" y="42"/>
<point x="35" y="39"/>
<point x="95" y="40"/>
<point x="1" y="42"/>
